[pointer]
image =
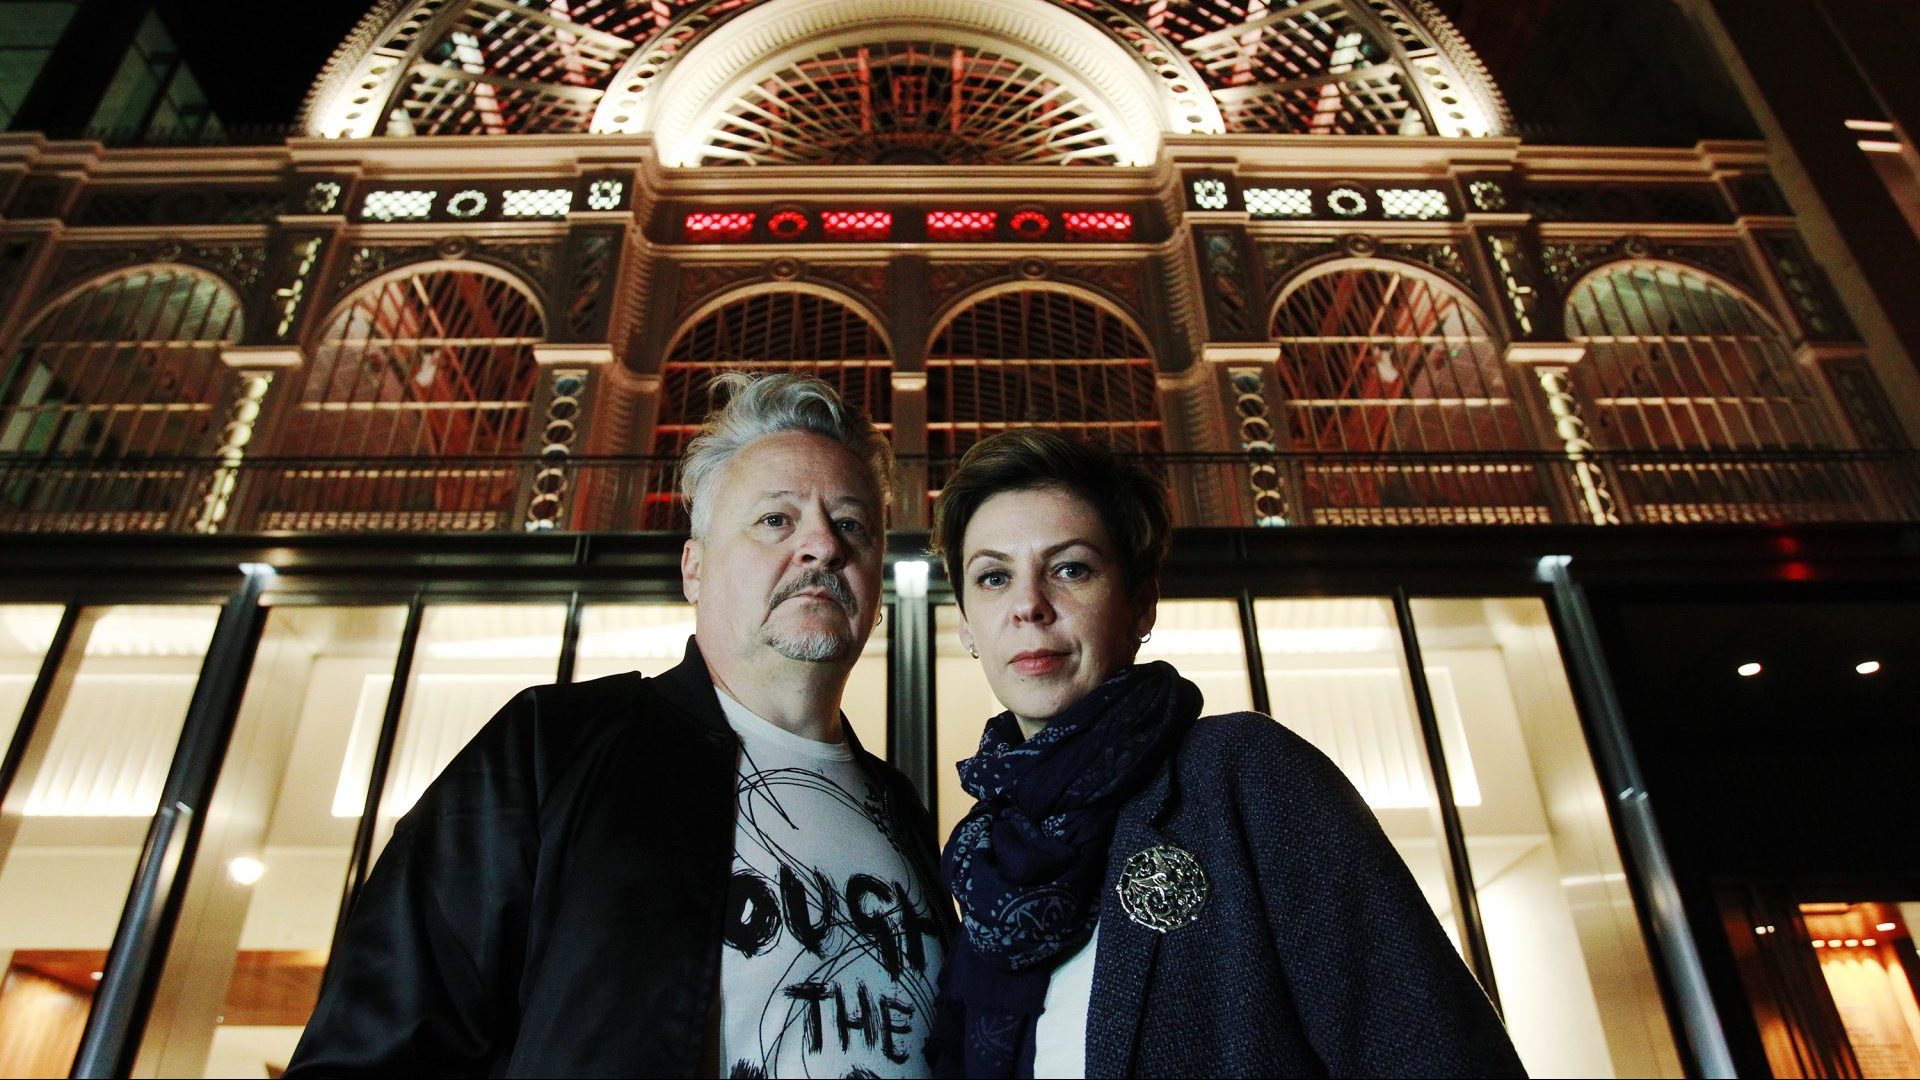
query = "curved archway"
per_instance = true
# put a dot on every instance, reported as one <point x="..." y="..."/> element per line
<point x="419" y="391"/>
<point x="125" y="365"/>
<point x="1380" y="357"/>
<point x="1680" y="360"/>
<point x="1044" y="356"/>
<point x="1393" y="384"/>
<point x="1350" y="67"/>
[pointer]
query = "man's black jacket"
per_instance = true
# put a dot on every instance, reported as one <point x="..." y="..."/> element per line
<point x="555" y="902"/>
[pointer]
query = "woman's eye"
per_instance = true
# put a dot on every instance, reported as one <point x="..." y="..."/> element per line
<point x="851" y="525"/>
<point x="1072" y="571"/>
<point x="992" y="579"/>
<point x="777" y="521"/>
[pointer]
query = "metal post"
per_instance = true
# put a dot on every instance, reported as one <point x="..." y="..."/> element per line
<point x="910" y="677"/>
<point x="21" y="752"/>
<point x="1466" y="899"/>
<point x="569" y="640"/>
<point x="139" y="951"/>
<point x="1640" y="836"/>
<point x="1256" y="661"/>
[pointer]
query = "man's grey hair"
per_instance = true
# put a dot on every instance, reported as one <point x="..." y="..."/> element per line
<point x="761" y="405"/>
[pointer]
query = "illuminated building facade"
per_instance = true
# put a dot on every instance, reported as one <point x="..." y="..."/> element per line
<point x="313" y="451"/>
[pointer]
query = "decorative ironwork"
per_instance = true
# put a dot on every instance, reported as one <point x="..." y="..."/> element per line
<point x="104" y="205"/>
<point x="534" y="259"/>
<point x="372" y="260"/>
<point x="592" y="255"/>
<point x="430" y="364"/>
<point x="1351" y="67"/>
<point x="1224" y="279"/>
<point x="909" y="103"/>
<point x="1511" y="267"/>
<point x="242" y="413"/>
<point x="561" y="427"/>
<point x="1254" y="415"/>
<point x="1281" y="259"/>
<point x="127" y="368"/>
<point x="1040" y="357"/>
<point x="1445" y="257"/>
<point x="1874" y="424"/>
<point x="1566" y="261"/>
<point x="1814" y="303"/>
<point x="1571" y="428"/>
<point x="1700" y="203"/>
<point x="303" y="258"/>
<point x="1678" y="361"/>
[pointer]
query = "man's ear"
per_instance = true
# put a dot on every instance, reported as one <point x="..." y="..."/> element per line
<point x="690" y="553"/>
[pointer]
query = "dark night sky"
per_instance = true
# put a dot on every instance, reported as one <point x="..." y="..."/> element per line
<point x="1623" y="72"/>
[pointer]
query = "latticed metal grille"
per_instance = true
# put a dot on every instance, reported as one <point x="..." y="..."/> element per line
<point x="795" y="331"/>
<point x="1040" y="358"/>
<point x="431" y="370"/>
<point x="1680" y="362"/>
<point x="1350" y="67"/>
<point x="129" y="367"/>
<point x="1374" y="359"/>
<point x="1380" y="361"/>
<point x="908" y="102"/>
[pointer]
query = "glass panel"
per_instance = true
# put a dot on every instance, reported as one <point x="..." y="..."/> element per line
<point x="651" y="638"/>
<point x="26" y="632"/>
<point x="1200" y="637"/>
<point x="244" y="969"/>
<point x="1569" y="955"/>
<point x="1337" y="677"/>
<point x="470" y="660"/>
<point x="962" y="705"/>
<point x="1866" y="959"/>
<point x="96" y="767"/>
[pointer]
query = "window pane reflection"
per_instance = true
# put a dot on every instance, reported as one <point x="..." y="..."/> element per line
<point x="652" y="638"/>
<point x="1569" y="958"/>
<point x="1336" y="675"/>
<point x="470" y="660"/>
<point x="93" y="777"/>
<point x="245" y="965"/>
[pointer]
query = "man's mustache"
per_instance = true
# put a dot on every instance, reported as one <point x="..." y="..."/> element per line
<point x="815" y="579"/>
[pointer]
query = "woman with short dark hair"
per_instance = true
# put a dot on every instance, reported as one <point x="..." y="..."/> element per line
<point x="1144" y="891"/>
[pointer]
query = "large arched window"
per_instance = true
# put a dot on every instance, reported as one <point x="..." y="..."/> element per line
<point x="794" y="329"/>
<point x="127" y="368"/>
<point x="1691" y="376"/>
<point x="1678" y="361"/>
<point x="1381" y="365"/>
<point x="1045" y="358"/>
<point x="419" y="391"/>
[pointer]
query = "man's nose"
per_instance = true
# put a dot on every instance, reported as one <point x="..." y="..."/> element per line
<point x="820" y="544"/>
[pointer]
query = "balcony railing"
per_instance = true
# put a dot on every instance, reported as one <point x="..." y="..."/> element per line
<point x="512" y="494"/>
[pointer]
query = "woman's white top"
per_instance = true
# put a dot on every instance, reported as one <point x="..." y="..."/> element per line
<point x="1060" y="1038"/>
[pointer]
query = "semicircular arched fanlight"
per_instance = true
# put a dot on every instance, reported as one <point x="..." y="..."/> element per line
<point x="501" y="67"/>
<point x="908" y="103"/>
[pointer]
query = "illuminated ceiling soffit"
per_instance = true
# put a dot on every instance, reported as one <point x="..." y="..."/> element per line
<point x="492" y="67"/>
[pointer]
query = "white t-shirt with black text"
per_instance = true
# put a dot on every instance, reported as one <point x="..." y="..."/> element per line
<point x="831" y="952"/>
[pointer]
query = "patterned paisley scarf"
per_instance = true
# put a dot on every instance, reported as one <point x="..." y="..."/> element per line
<point x="1026" y="864"/>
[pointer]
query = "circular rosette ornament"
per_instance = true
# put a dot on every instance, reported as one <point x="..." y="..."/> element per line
<point x="1162" y="888"/>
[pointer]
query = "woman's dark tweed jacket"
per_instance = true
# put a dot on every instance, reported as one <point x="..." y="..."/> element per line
<point x="1315" y="954"/>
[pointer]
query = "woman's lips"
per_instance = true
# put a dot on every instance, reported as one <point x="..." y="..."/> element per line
<point x="1038" y="663"/>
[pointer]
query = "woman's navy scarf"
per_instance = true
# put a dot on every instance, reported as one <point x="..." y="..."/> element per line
<point x="1026" y="864"/>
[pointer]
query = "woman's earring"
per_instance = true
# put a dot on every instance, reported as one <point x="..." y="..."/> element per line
<point x="880" y="616"/>
<point x="975" y="653"/>
<point x="1146" y="637"/>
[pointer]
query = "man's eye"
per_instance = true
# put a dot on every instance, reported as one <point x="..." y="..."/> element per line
<point x="776" y="520"/>
<point x="992" y="579"/>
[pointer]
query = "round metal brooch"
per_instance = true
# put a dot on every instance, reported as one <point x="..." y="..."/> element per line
<point x="1162" y="888"/>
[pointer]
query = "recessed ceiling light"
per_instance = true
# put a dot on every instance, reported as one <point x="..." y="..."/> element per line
<point x="1749" y="669"/>
<point x="246" y="870"/>
<point x="1867" y="667"/>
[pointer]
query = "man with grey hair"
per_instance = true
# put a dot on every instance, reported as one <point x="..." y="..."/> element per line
<point x="697" y="874"/>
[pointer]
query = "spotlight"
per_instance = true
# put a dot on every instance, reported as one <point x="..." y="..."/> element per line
<point x="1749" y="669"/>
<point x="1867" y="667"/>
<point x="246" y="870"/>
